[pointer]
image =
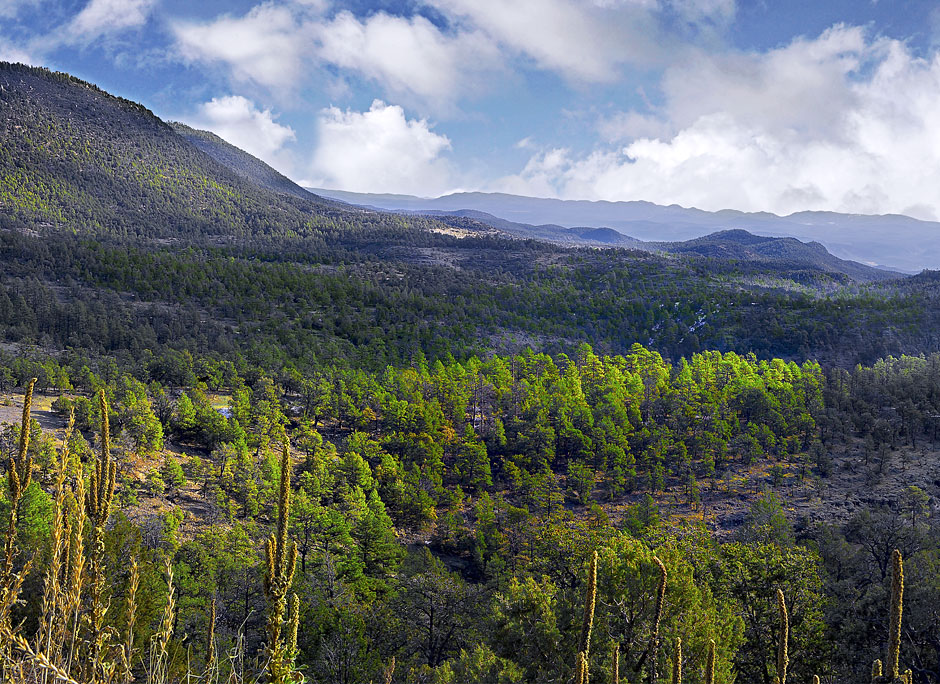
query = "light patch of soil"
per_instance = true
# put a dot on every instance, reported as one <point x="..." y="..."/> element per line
<point x="11" y="411"/>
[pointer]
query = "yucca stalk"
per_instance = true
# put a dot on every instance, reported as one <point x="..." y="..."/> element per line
<point x="581" y="675"/>
<point x="677" y="662"/>
<point x="652" y="650"/>
<point x="210" y="646"/>
<point x="293" y="622"/>
<point x="131" y="618"/>
<point x="783" y="658"/>
<point x="892" y="662"/>
<point x="710" y="663"/>
<point x="587" y="620"/>
<point x="53" y="596"/>
<point x="281" y="557"/>
<point x="75" y="573"/>
<point x="98" y="504"/>
<point x="19" y="474"/>
<point x="615" y="663"/>
<point x="159" y="642"/>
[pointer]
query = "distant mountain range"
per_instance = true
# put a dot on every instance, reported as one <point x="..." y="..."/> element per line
<point x="733" y="244"/>
<point x="890" y="241"/>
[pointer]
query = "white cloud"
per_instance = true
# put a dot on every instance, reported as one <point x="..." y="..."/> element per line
<point x="804" y="86"/>
<point x="237" y="120"/>
<point x="379" y="150"/>
<point x="587" y="41"/>
<point x="266" y="46"/>
<point x="581" y="40"/>
<point x="839" y="123"/>
<point x="10" y="53"/>
<point x="275" y="45"/>
<point x="101" y="17"/>
<point x="408" y="56"/>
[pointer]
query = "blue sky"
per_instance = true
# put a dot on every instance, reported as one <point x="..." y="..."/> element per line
<point x="776" y="106"/>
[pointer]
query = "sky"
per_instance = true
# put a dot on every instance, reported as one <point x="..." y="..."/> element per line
<point x="758" y="105"/>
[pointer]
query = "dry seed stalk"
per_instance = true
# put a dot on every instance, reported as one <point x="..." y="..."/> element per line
<point x="894" y="618"/>
<point x="131" y="618"/>
<point x="38" y="658"/>
<point x="710" y="663"/>
<point x="581" y="672"/>
<point x="210" y="645"/>
<point x="19" y="473"/>
<point x="783" y="658"/>
<point x="159" y="642"/>
<point x="652" y="649"/>
<point x="615" y="664"/>
<point x="677" y="663"/>
<point x="53" y="595"/>
<point x="75" y="571"/>
<point x="98" y="503"/>
<point x="281" y="557"/>
<point x="590" y="597"/>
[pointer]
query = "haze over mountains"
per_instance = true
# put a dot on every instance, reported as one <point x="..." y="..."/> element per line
<point x="892" y="241"/>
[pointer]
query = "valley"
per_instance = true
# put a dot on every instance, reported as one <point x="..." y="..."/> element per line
<point x="423" y="424"/>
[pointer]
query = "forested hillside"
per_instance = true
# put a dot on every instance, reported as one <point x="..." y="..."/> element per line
<point x="275" y="438"/>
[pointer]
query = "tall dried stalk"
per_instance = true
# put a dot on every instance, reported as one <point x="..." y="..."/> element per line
<point x="710" y="663"/>
<point x="281" y="557"/>
<point x="19" y="474"/>
<point x="75" y="574"/>
<point x="677" y="663"/>
<point x="587" y="619"/>
<point x="53" y="597"/>
<point x="653" y="648"/>
<point x="159" y="643"/>
<point x="783" y="658"/>
<point x="892" y="662"/>
<point x="615" y="663"/>
<point x="98" y="504"/>
<point x="127" y="651"/>
<point x="211" y="671"/>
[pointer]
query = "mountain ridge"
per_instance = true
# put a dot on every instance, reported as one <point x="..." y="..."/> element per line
<point x="894" y="241"/>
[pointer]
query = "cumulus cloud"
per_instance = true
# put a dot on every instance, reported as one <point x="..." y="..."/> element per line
<point x="275" y="46"/>
<point x="586" y="41"/>
<point x="379" y="150"/>
<point x="840" y="122"/>
<point x="266" y="46"/>
<point x="580" y="40"/>
<point x="237" y="120"/>
<point x="101" y="17"/>
<point x="10" y="53"/>
<point x="408" y="56"/>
